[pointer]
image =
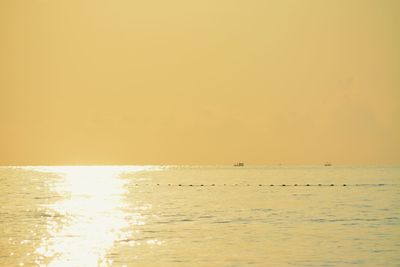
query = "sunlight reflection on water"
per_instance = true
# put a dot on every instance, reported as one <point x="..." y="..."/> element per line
<point x="84" y="225"/>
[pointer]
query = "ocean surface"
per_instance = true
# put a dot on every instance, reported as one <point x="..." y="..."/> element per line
<point x="200" y="216"/>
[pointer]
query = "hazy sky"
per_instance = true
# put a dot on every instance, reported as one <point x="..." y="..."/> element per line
<point x="199" y="82"/>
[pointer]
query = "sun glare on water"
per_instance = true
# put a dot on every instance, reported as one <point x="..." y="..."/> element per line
<point x="84" y="225"/>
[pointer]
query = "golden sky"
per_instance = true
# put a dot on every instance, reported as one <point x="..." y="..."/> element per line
<point x="199" y="82"/>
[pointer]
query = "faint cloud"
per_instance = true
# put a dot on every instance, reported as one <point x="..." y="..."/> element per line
<point x="345" y="82"/>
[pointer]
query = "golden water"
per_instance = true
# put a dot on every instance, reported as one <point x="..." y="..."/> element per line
<point x="199" y="216"/>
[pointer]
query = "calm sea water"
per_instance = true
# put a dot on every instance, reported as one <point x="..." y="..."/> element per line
<point x="199" y="216"/>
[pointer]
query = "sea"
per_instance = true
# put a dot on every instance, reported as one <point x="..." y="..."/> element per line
<point x="84" y="216"/>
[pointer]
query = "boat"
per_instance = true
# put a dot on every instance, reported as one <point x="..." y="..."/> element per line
<point x="327" y="164"/>
<point x="238" y="164"/>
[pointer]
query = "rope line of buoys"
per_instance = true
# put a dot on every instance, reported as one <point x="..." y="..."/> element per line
<point x="259" y="185"/>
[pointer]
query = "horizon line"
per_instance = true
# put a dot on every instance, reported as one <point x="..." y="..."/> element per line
<point x="225" y="165"/>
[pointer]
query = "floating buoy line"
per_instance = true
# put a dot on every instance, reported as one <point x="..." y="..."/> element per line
<point x="257" y="185"/>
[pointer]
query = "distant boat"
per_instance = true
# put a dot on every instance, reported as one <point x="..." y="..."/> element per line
<point x="238" y="164"/>
<point x="327" y="164"/>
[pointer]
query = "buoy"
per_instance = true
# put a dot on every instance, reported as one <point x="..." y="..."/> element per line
<point x="243" y="185"/>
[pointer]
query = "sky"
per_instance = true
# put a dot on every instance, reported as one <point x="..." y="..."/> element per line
<point x="199" y="82"/>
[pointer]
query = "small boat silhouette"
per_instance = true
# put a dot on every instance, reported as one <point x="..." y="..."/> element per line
<point x="327" y="164"/>
<point x="238" y="164"/>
